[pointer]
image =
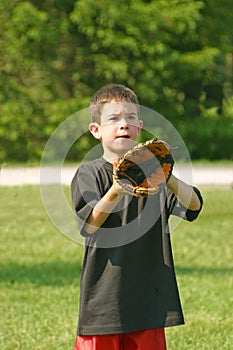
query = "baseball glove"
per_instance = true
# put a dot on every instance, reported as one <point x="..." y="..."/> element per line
<point x="145" y="169"/>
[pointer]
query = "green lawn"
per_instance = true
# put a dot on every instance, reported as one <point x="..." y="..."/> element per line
<point x="40" y="270"/>
<point x="204" y="265"/>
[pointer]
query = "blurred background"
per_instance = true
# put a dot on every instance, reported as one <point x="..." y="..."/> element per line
<point x="175" y="54"/>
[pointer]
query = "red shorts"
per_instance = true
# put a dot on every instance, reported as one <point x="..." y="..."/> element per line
<point x="152" y="339"/>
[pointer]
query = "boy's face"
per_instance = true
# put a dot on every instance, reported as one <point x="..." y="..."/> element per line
<point x="119" y="128"/>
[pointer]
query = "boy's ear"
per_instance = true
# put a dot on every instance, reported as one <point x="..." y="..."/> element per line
<point x="95" y="130"/>
<point x="140" y="126"/>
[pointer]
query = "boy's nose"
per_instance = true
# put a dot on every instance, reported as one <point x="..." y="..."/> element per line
<point x="124" y="123"/>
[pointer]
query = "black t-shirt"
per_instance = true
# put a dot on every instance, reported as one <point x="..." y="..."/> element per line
<point x="128" y="281"/>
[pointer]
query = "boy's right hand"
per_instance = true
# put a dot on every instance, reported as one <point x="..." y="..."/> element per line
<point x="119" y="189"/>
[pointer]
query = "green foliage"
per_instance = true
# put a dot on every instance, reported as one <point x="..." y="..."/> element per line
<point x="176" y="55"/>
<point x="208" y="137"/>
<point x="138" y="48"/>
<point x="228" y="108"/>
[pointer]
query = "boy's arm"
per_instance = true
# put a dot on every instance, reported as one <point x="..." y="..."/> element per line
<point x="103" y="208"/>
<point x="185" y="193"/>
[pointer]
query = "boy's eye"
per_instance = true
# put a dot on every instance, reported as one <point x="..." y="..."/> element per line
<point x="116" y="119"/>
<point x="112" y="120"/>
<point x="132" y="119"/>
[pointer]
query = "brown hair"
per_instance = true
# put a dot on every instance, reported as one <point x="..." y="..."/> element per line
<point x="107" y="94"/>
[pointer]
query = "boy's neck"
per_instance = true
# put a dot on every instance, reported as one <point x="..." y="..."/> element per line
<point x="113" y="154"/>
<point x="112" y="157"/>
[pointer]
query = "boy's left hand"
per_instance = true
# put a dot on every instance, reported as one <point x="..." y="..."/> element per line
<point x="144" y="169"/>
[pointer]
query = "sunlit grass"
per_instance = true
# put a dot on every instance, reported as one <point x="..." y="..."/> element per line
<point x="204" y="265"/>
<point x="40" y="271"/>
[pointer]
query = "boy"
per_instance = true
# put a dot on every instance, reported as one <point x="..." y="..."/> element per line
<point x="129" y="292"/>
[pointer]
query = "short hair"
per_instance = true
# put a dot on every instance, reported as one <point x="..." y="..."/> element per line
<point x="108" y="93"/>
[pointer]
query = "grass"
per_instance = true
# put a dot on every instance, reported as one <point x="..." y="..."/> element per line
<point x="40" y="271"/>
<point x="32" y="164"/>
<point x="39" y="276"/>
<point x="204" y="265"/>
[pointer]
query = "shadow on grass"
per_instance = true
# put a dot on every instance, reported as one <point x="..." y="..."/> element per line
<point x="203" y="270"/>
<point x="58" y="273"/>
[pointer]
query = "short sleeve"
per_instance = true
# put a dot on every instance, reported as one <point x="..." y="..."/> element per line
<point x="177" y="209"/>
<point x="85" y="194"/>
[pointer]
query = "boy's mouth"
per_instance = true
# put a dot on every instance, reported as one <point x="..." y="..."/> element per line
<point x="123" y="137"/>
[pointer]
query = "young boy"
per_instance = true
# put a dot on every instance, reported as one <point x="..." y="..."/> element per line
<point x="129" y="292"/>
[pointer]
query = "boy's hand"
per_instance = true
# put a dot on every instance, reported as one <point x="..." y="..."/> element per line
<point x="144" y="169"/>
<point x="121" y="191"/>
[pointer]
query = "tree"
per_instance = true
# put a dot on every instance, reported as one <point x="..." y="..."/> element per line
<point x="176" y="55"/>
<point x="153" y="46"/>
<point x="35" y="68"/>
